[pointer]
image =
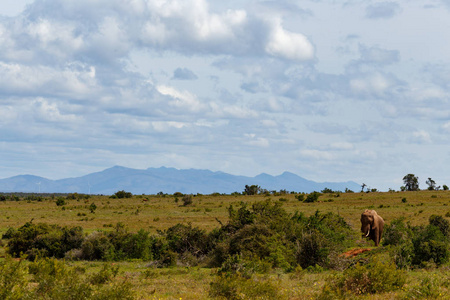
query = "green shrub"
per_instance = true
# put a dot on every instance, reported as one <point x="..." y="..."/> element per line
<point x="13" y="279"/>
<point x="53" y="279"/>
<point x="9" y="233"/>
<point x="60" y="201"/>
<point x="128" y="245"/>
<point x="122" y="194"/>
<point x="239" y="288"/>
<point x="266" y="231"/>
<point x="185" y="238"/>
<point x="313" y="249"/>
<point x="97" y="246"/>
<point x="300" y="197"/>
<point x="441" y="223"/>
<point x="375" y="277"/>
<point x="92" y="207"/>
<point x="397" y="232"/>
<point x="187" y="200"/>
<point x="236" y="265"/>
<point x="418" y="245"/>
<point x="106" y="274"/>
<point x="428" y="288"/>
<point x="167" y="258"/>
<point x="313" y="197"/>
<point x="430" y="245"/>
<point x="403" y="254"/>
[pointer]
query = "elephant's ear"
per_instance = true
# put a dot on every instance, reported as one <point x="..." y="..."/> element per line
<point x="375" y="222"/>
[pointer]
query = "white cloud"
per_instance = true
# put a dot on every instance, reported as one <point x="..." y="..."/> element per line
<point x="255" y="141"/>
<point x="446" y="127"/>
<point x="164" y="126"/>
<point x="370" y="85"/>
<point x="421" y="136"/>
<point x="289" y="45"/>
<point x="180" y="99"/>
<point x="76" y="80"/>
<point x="49" y="112"/>
<point x="317" y="154"/>
<point x="342" y="146"/>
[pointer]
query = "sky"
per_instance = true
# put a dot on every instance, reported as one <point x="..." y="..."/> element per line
<point x="328" y="90"/>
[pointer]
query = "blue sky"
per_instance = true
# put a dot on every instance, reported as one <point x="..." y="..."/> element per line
<point x="329" y="90"/>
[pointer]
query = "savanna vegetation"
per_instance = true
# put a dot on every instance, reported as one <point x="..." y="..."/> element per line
<point x="256" y="244"/>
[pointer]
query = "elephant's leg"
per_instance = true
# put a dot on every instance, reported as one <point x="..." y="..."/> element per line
<point x="376" y="239"/>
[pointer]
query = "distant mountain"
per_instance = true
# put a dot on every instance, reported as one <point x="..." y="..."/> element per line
<point x="167" y="180"/>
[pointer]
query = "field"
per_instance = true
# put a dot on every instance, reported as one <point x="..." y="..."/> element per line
<point x="157" y="213"/>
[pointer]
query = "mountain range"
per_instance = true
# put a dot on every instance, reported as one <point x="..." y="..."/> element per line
<point x="166" y="180"/>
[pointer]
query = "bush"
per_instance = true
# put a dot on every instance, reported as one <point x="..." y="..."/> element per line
<point x="397" y="232"/>
<point x="9" y="233"/>
<point x="313" y="250"/>
<point x="130" y="246"/>
<point x="313" y="197"/>
<point x="428" y="288"/>
<point x="187" y="200"/>
<point x="416" y="246"/>
<point x="44" y="240"/>
<point x="238" y="288"/>
<point x="185" y="238"/>
<point x="92" y="207"/>
<point x="430" y="245"/>
<point x="327" y="191"/>
<point x="53" y="279"/>
<point x="97" y="246"/>
<point x="375" y="277"/>
<point x="13" y="279"/>
<point x="60" y="202"/>
<point x="122" y="194"/>
<point x="441" y="223"/>
<point x="167" y="258"/>
<point x="106" y="274"/>
<point x="300" y="197"/>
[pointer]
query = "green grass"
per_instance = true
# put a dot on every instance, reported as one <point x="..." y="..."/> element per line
<point x="154" y="212"/>
<point x="161" y="212"/>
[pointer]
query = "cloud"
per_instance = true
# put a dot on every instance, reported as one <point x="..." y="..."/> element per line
<point x="382" y="10"/>
<point x="289" y="45"/>
<point x="446" y="127"/>
<point x="378" y="56"/>
<point x="184" y="74"/>
<point x="370" y="85"/>
<point x="73" y="80"/>
<point x="421" y="137"/>
<point x="182" y="100"/>
<point x="317" y="154"/>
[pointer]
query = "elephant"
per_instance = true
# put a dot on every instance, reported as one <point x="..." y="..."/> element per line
<point x="372" y="225"/>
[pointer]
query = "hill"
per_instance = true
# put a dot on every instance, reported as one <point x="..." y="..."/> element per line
<point x="167" y="180"/>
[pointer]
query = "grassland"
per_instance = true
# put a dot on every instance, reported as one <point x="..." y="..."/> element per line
<point x="153" y="213"/>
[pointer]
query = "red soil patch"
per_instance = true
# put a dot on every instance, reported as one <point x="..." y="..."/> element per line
<point x="354" y="252"/>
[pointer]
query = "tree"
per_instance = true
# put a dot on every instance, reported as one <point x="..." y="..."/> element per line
<point x="432" y="185"/>
<point x="252" y="190"/>
<point x="122" y="194"/>
<point x="362" y="187"/>
<point x="411" y="182"/>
